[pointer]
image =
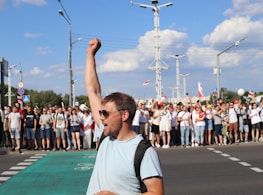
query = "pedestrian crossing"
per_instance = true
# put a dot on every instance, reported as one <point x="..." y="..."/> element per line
<point x="14" y="170"/>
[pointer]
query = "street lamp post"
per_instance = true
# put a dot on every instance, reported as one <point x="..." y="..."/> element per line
<point x="184" y="82"/>
<point x="73" y="89"/>
<point x="9" y="93"/>
<point x="157" y="66"/>
<point x="68" y="20"/>
<point x="178" y="86"/>
<point x="218" y="70"/>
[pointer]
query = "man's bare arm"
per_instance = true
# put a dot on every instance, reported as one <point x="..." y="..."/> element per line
<point x="91" y="79"/>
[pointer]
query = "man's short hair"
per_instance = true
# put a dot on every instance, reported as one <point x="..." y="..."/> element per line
<point x="123" y="102"/>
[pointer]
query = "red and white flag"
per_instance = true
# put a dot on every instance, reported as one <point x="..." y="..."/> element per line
<point x="20" y="100"/>
<point x="200" y="90"/>
<point x="146" y="83"/>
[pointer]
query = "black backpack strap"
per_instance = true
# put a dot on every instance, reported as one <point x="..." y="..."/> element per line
<point x="102" y="137"/>
<point x="139" y="153"/>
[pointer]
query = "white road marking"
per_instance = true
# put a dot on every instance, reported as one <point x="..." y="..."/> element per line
<point x="234" y="159"/>
<point x="18" y="168"/>
<point x="225" y="155"/>
<point x="24" y="163"/>
<point x="245" y="164"/>
<point x="258" y="170"/>
<point x="4" y="178"/>
<point x="9" y="172"/>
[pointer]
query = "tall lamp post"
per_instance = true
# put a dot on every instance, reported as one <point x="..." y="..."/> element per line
<point x="218" y="70"/>
<point x="73" y="87"/>
<point x="157" y="66"/>
<point x="65" y="15"/>
<point x="184" y="82"/>
<point x="9" y="93"/>
<point x="178" y="87"/>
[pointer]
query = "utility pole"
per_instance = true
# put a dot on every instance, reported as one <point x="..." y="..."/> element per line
<point x="158" y="68"/>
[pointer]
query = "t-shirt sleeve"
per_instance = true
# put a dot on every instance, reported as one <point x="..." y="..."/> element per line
<point x="151" y="165"/>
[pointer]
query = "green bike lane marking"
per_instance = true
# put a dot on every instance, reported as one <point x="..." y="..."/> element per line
<point x="56" y="173"/>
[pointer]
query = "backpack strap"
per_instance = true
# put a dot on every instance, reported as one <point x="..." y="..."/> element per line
<point x="102" y="137"/>
<point x="139" y="153"/>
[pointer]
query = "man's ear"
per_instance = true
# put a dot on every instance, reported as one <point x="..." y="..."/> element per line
<point x="125" y="115"/>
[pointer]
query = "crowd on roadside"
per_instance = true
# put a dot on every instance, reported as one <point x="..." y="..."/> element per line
<point x="50" y="128"/>
<point x="195" y="125"/>
<point x="165" y="125"/>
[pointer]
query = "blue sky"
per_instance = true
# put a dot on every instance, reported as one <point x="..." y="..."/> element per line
<point x="34" y="35"/>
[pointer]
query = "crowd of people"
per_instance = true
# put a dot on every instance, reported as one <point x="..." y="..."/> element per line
<point x="50" y="128"/>
<point x="165" y="125"/>
<point x="195" y="125"/>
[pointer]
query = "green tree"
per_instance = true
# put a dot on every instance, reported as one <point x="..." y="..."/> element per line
<point x="83" y="99"/>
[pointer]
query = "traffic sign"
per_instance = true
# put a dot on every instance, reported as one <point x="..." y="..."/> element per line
<point x="20" y="91"/>
<point x="20" y="84"/>
<point x="26" y="98"/>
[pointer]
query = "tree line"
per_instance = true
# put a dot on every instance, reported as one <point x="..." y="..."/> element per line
<point x="45" y="98"/>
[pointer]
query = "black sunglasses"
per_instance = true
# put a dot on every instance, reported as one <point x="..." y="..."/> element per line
<point x="106" y="113"/>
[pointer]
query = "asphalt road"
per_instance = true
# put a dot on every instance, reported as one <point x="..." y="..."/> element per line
<point x="213" y="170"/>
<point x="207" y="170"/>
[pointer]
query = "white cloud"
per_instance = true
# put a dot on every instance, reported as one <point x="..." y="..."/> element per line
<point x="43" y="50"/>
<point x="32" y="2"/>
<point x="231" y="30"/>
<point x="35" y="71"/>
<point x="201" y="56"/>
<point x="245" y="8"/>
<point x="32" y="35"/>
<point x="143" y="54"/>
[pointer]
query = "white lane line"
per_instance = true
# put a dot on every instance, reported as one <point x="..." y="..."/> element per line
<point x="225" y="155"/>
<point x="211" y="149"/>
<point x="217" y="151"/>
<point x="245" y="164"/>
<point x="258" y="170"/>
<point x="30" y="160"/>
<point x="40" y="154"/>
<point x="24" y="164"/>
<point x="36" y="157"/>
<point x="234" y="159"/>
<point x="4" y="178"/>
<point x="9" y="172"/>
<point x="17" y="168"/>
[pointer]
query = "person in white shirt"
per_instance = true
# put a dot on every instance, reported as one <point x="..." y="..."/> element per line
<point x="14" y="124"/>
<point x="136" y="119"/>
<point x="165" y="126"/>
<point x="184" y="118"/>
<point x="143" y="120"/>
<point x="255" y="122"/>
<point x="233" y="123"/>
<point x="60" y="127"/>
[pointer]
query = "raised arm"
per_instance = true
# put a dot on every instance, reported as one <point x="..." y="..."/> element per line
<point x="91" y="79"/>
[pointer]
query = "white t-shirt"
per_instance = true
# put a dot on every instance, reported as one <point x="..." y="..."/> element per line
<point x="15" y="120"/>
<point x="98" y="130"/>
<point x="60" y="120"/>
<point x="185" y="116"/>
<point x="114" y="168"/>
<point x="232" y="115"/>
<point x="255" y="116"/>
<point x="136" y="118"/>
